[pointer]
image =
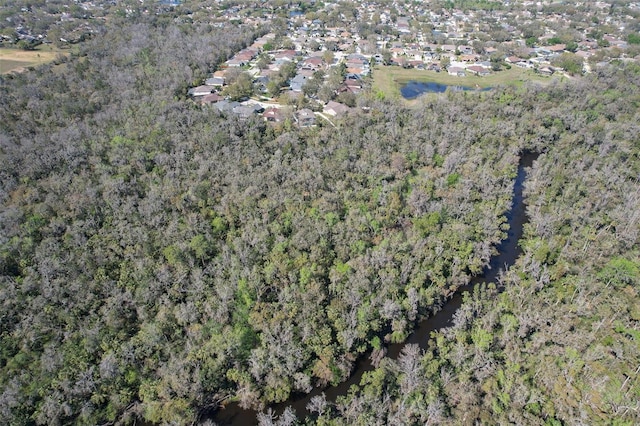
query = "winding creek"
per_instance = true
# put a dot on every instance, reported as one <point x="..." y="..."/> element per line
<point x="508" y="252"/>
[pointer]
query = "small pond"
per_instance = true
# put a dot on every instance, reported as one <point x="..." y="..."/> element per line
<point x="413" y="89"/>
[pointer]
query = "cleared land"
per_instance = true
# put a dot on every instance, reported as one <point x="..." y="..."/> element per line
<point x="17" y="60"/>
<point x="388" y="79"/>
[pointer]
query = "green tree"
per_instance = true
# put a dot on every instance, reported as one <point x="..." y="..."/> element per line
<point x="445" y="61"/>
<point x="496" y="61"/>
<point x="633" y="38"/>
<point x="570" y="62"/>
<point x="242" y="87"/>
<point x="386" y="57"/>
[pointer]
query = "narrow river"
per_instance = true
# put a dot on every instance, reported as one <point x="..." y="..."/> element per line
<point x="508" y="252"/>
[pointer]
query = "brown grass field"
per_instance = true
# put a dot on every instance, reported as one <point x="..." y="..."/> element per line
<point x="18" y="60"/>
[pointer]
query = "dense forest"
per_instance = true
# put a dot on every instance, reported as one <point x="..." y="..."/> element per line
<point x="159" y="258"/>
<point x="560" y="344"/>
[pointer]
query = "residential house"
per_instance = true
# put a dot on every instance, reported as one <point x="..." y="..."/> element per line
<point x="538" y="60"/>
<point x="457" y="71"/>
<point x="397" y="51"/>
<point x="429" y="56"/>
<point x="399" y="61"/>
<point x="478" y="70"/>
<point x="215" y="81"/>
<point x="236" y="62"/>
<point x="588" y="44"/>
<point x="200" y="91"/>
<point x="548" y="71"/>
<point x="226" y="106"/>
<point x="469" y="58"/>
<point x="246" y="54"/>
<point x="305" y="117"/>
<point x="297" y="82"/>
<point x="541" y="51"/>
<point x="261" y="81"/>
<point x="557" y="48"/>
<point x="430" y="47"/>
<point x="357" y="59"/>
<point x="211" y="98"/>
<point x="524" y="64"/>
<point x="402" y="25"/>
<point x="345" y="88"/>
<point x="312" y="63"/>
<point x="466" y="50"/>
<point x="277" y="64"/>
<point x="273" y="115"/>
<point x="246" y="111"/>
<point x="306" y="73"/>
<point x="288" y="55"/>
<point x="335" y="109"/>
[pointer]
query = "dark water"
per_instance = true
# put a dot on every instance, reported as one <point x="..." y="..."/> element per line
<point x="413" y="89"/>
<point x="508" y="250"/>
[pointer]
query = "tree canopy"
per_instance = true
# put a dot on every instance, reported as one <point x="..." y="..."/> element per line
<point x="158" y="257"/>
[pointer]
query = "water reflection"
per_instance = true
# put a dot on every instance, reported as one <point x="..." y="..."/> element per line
<point x="413" y="89"/>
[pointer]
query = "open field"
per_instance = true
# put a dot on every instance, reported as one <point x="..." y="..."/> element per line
<point x="389" y="79"/>
<point x="17" y="59"/>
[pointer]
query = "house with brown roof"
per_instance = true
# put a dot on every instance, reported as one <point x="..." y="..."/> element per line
<point x="200" y="91"/>
<point x="478" y="70"/>
<point x="335" y="109"/>
<point x="211" y="98"/>
<point x="246" y="54"/>
<point x="457" y="71"/>
<point x="557" y="48"/>
<point x="312" y="63"/>
<point x="548" y="71"/>
<point x="273" y="115"/>
<point x="288" y="55"/>
<point x="469" y="58"/>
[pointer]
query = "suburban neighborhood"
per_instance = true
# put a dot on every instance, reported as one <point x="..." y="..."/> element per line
<point x="319" y="56"/>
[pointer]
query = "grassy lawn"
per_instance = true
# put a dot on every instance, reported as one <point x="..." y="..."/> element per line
<point x="17" y="59"/>
<point x="388" y="80"/>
